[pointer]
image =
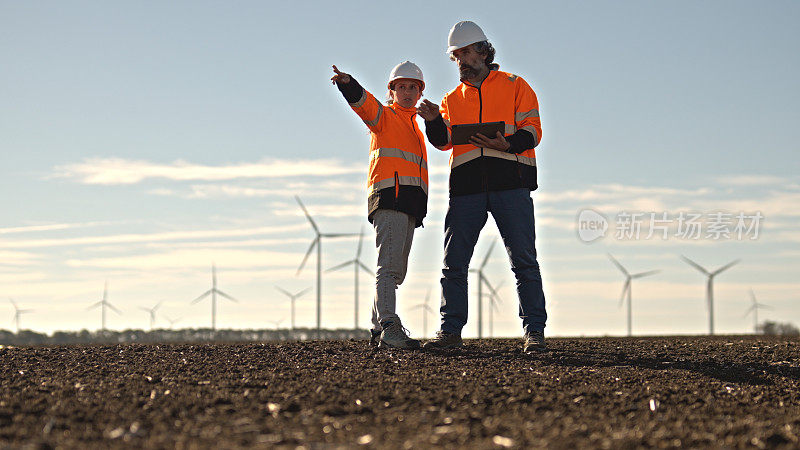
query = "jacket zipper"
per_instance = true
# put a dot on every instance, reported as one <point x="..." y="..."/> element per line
<point x="484" y="176"/>
<point x="396" y="189"/>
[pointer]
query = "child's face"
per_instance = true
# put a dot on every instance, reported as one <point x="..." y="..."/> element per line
<point x="406" y="93"/>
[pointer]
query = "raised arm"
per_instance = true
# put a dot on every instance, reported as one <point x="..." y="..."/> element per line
<point x="363" y="103"/>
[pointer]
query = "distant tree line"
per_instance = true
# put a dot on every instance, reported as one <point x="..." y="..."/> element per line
<point x="778" y="329"/>
<point x="27" y="337"/>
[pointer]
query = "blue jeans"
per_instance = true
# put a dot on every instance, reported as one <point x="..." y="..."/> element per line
<point x="513" y="212"/>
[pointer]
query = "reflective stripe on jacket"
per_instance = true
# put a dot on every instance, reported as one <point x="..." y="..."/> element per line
<point x="398" y="160"/>
<point x="501" y="97"/>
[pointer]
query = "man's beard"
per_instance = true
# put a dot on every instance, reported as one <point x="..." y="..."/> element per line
<point x="467" y="72"/>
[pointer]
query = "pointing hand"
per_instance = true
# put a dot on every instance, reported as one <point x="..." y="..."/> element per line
<point x="340" y="77"/>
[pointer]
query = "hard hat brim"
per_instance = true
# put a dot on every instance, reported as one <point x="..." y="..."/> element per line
<point x="389" y="84"/>
<point x="453" y="48"/>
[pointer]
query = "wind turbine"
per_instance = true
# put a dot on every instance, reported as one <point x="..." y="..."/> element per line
<point x="18" y="312"/>
<point x="277" y="323"/>
<point x="425" y="310"/>
<point x="293" y="297"/>
<point x="317" y="242"/>
<point x="709" y="287"/>
<point x="152" y="312"/>
<point x="214" y="292"/>
<point x="754" y="309"/>
<point x="481" y="280"/>
<point x="357" y="264"/>
<point x="172" y="321"/>
<point x="495" y="300"/>
<point x="103" y="304"/>
<point x="626" y="289"/>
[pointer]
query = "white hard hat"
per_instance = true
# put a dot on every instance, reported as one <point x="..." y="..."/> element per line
<point x="406" y="70"/>
<point x="463" y="34"/>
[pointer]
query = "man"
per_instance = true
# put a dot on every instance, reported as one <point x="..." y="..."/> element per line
<point x="398" y="187"/>
<point x="490" y="174"/>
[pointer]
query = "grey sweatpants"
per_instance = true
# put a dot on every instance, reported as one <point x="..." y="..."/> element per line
<point x="394" y="231"/>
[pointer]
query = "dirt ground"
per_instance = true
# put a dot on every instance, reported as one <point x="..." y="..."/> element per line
<point x="732" y="392"/>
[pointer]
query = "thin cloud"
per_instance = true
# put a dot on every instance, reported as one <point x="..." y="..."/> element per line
<point x="184" y="258"/>
<point x="752" y="180"/>
<point x="115" y="171"/>
<point x="153" y="237"/>
<point x="50" y="227"/>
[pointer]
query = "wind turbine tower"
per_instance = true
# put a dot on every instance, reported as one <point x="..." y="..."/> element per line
<point x="293" y="297"/>
<point x="172" y="322"/>
<point x="425" y="307"/>
<point x="709" y="287"/>
<point x="18" y="312"/>
<point x="103" y="304"/>
<point x="626" y="289"/>
<point x="481" y="280"/>
<point x="317" y="242"/>
<point x="754" y="309"/>
<point x="152" y="313"/>
<point x="213" y="292"/>
<point x="357" y="264"/>
<point x="495" y="300"/>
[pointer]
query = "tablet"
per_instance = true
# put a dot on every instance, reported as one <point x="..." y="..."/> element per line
<point x="460" y="134"/>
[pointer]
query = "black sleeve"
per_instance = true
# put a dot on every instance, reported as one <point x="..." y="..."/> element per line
<point x="352" y="91"/>
<point x="520" y="141"/>
<point x="436" y="131"/>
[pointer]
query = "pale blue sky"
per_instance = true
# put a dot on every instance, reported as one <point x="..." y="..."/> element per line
<point x="645" y="106"/>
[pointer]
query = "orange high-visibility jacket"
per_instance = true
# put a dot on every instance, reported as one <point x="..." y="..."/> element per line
<point x="398" y="160"/>
<point x="501" y="97"/>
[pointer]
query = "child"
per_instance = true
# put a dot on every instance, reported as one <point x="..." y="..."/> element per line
<point x="398" y="187"/>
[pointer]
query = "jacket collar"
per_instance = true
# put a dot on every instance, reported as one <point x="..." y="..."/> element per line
<point x="402" y="110"/>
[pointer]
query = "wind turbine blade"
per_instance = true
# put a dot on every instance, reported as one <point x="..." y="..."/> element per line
<point x="158" y="305"/>
<point x="763" y="306"/>
<point x="749" y="310"/>
<point x="488" y="253"/>
<point x="202" y="296"/>
<point x="227" y="296"/>
<point x="308" y="216"/>
<point x="114" y="308"/>
<point x="302" y="292"/>
<point x="285" y="292"/>
<point x="500" y="286"/>
<point x="94" y="305"/>
<point x="428" y="308"/>
<point x="644" y="274"/>
<point x="695" y="265"/>
<point x="144" y="309"/>
<point x="360" y="241"/>
<point x="344" y="264"/>
<point x="336" y="235"/>
<point x="489" y="285"/>
<point x="427" y="297"/>
<point x="726" y="267"/>
<point x="366" y="269"/>
<point x="753" y="296"/>
<point x="624" y="291"/>
<point x="617" y="263"/>
<point x="14" y="303"/>
<point x="26" y="311"/>
<point x="310" y="249"/>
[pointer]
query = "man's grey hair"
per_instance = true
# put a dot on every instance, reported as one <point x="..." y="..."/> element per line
<point x="484" y="48"/>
